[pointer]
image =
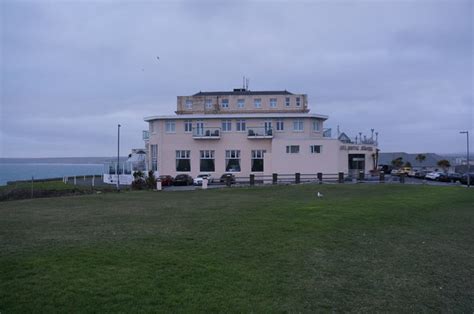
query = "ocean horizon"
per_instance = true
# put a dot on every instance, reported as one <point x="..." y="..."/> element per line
<point x="17" y="169"/>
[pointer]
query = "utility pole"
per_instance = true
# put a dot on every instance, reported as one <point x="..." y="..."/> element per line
<point x="118" y="158"/>
<point x="468" y="164"/>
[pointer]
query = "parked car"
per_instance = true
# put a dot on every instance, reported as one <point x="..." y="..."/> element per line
<point x="395" y="172"/>
<point x="183" y="179"/>
<point x="420" y="174"/>
<point x="443" y="177"/>
<point x="464" y="178"/>
<point x="227" y="175"/>
<point x="432" y="175"/>
<point x="166" y="180"/>
<point x="405" y="170"/>
<point x="453" y="177"/>
<point x="199" y="178"/>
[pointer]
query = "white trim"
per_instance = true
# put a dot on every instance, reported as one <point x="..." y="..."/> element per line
<point x="237" y="115"/>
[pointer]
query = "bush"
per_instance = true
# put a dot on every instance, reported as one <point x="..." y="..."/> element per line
<point x="151" y="180"/>
<point x="138" y="182"/>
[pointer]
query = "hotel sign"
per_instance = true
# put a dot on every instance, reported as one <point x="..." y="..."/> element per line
<point x="357" y="147"/>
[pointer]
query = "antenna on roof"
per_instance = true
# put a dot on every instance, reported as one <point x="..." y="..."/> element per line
<point x="243" y="82"/>
<point x="246" y="84"/>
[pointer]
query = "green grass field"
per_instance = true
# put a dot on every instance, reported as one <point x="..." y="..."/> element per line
<point x="396" y="248"/>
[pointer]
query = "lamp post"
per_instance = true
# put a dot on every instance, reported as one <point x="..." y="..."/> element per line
<point x="118" y="158"/>
<point x="468" y="165"/>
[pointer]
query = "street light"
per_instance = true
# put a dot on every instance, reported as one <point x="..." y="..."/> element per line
<point x="118" y="158"/>
<point x="468" y="165"/>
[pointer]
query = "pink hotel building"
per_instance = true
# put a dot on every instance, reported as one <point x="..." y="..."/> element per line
<point x="250" y="132"/>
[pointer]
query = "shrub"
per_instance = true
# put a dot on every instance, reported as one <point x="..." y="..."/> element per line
<point x="151" y="180"/>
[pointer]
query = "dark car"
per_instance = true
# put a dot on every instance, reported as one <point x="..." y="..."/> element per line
<point x="454" y="177"/>
<point x="227" y="176"/>
<point x="183" y="179"/>
<point x="464" y="178"/>
<point x="420" y="174"/>
<point x="166" y="180"/>
<point x="443" y="177"/>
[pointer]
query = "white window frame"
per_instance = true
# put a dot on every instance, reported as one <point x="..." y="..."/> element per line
<point x="225" y="103"/>
<point x="280" y="125"/>
<point x="257" y="102"/>
<point x="240" y="103"/>
<point x="209" y="103"/>
<point x="207" y="154"/>
<point x="258" y="154"/>
<point x="188" y="126"/>
<point x="233" y="154"/>
<point x="298" y="125"/>
<point x="313" y="150"/>
<point x="292" y="149"/>
<point x="154" y="157"/>
<point x="152" y="127"/>
<point x="273" y="102"/>
<point x="241" y="125"/>
<point x="226" y="125"/>
<point x="183" y="154"/>
<point x="170" y="126"/>
<point x="287" y="101"/>
<point x="317" y="126"/>
<point x="189" y="104"/>
<point x="298" y="101"/>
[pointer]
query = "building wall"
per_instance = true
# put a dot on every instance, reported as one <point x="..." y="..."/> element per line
<point x="331" y="159"/>
<point x="198" y="104"/>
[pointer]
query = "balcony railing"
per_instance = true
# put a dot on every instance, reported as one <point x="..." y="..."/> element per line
<point x="206" y="133"/>
<point x="259" y="132"/>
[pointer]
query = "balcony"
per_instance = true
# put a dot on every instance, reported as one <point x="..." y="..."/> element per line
<point x="206" y="133"/>
<point x="259" y="133"/>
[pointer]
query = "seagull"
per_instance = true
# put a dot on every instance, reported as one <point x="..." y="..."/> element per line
<point x="158" y="58"/>
<point x="319" y="195"/>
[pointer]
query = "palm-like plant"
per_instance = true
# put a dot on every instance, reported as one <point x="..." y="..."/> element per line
<point x="444" y="164"/>
<point x="420" y="158"/>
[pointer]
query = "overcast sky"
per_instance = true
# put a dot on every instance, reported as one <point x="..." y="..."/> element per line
<point x="72" y="70"/>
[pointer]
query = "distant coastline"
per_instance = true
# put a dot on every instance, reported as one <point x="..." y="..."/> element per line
<point x="60" y="160"/>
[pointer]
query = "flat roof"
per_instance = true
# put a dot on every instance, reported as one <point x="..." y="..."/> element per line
<point x="243" y="92"/>
<point x="238" y="115"/>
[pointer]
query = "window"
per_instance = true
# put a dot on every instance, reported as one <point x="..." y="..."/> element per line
<point x="225" y="103"/>
<point x="257" y="160"/>
<point x="298" y="101"/>
<point x="154" y="157"/>
<point x="232" y="160"/>
<point x="280" y="125"/>
<point x="316" y="125"/>
<point x="240" y="125"/>
<point x="273" y="102"/>
<point x="298" y="125"/>
<point x="315" y="149"/>
<point x="207" y="161"/>
<point x="188" y="126"/>
<point x="268" y="126"/>
<point x="287" y="101"/>
<point x="240" y="103"/>
<point x="208" y="103"/>
<point x="170" y="127"/>
<point x="189" y="104"/>
<point x="183" y="160"/>
<point x="226" y="125"/>
<point x="292" y="149"/>
<point x="257" y="102"/>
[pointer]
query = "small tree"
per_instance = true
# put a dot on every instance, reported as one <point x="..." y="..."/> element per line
<point x="420" y="158"/>
<point x="397" y="162"/>
<point x="151" y="180"/>
<point x="444" y="164"/>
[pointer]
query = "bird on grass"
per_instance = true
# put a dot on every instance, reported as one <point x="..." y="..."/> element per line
<point x="319" y="195"/>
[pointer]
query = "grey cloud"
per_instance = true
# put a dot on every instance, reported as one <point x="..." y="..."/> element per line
<point x="402" y="67"/>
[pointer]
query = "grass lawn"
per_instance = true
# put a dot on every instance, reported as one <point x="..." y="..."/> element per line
<point x="400" y="248"/>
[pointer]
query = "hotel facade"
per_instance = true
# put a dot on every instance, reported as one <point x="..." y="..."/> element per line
<point x="250" y="132"/>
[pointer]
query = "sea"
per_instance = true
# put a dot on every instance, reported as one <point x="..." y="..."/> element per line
<point x="15" y="169"/>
